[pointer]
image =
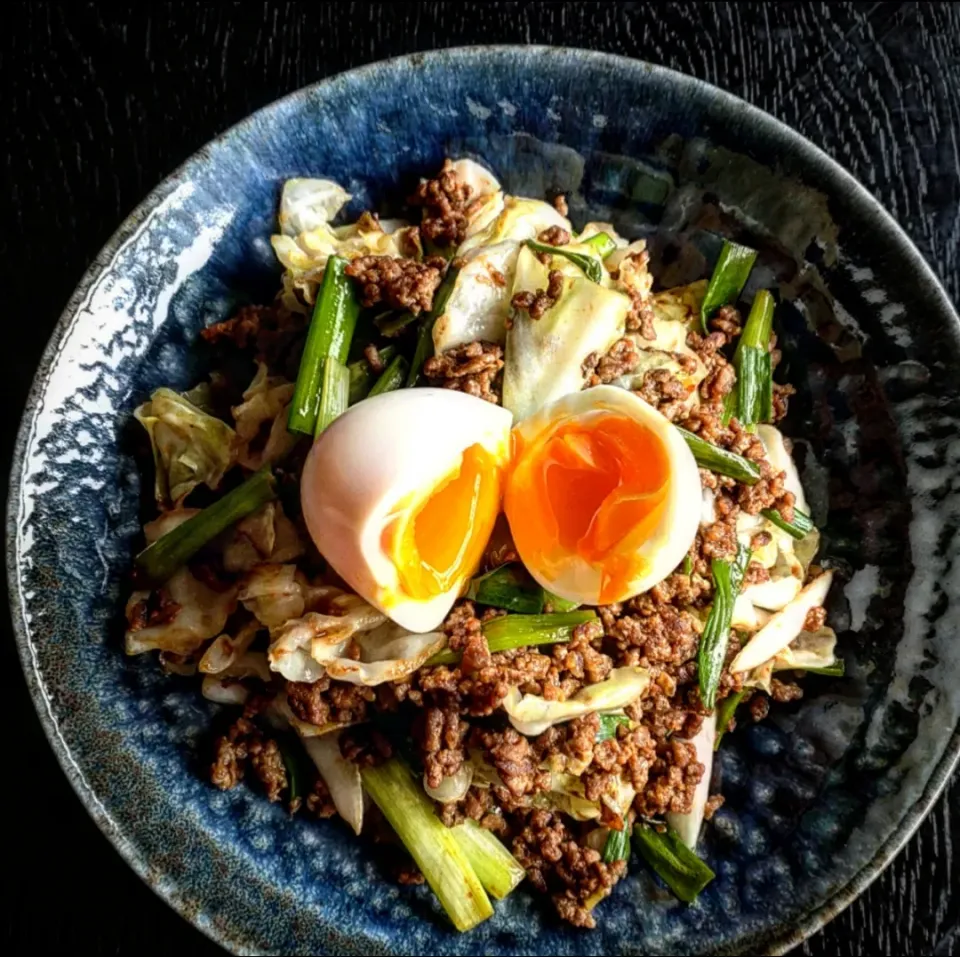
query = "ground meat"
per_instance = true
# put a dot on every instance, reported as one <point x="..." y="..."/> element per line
<point x="673" y="778"/>
<point x="446" y="204"/>
<point x="714" y="803"/>
<point x="372" y="354"/>
<point x="472" y="368"/>
<point x="319" y="802"/>
<point x="783" y="691"/>
<point x="325" y="701"/>
<point x="759" y="707"/>
<point x="560" y="204"/>
<point x="536" y="304"/>
<point x="640" y="319"/>
<point x="727" y="321"/>
<point x="272" y="333"/>
<point x="621" y="358"/>
<point x="244" y="743"/>
<point x="755" y="574"/>
<point x="440" y="734"/>
<point x="365" y="745"/>
<point x="267" y="763"/>
<point x="664" y="391"/>
<point x="554" y="236"/>
<point x="398" y="283"/>
<point x="573" y="874"/>
<point x="781" y="397"/>
<point x="816" y="618"/>
<point x="515" y="761"/>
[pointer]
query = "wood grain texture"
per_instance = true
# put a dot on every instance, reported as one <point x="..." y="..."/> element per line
<point x="98" y="107"/>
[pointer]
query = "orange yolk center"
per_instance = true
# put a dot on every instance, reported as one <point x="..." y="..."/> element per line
<point x="435" y="541"/>
<point x="594" y="486"/>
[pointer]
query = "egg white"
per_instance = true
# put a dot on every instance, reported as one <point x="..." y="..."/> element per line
<point x="577" y="579"/>
<point x="383" y="455"/>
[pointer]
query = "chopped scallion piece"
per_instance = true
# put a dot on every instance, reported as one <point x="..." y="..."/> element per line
<point x="335" y="393"/>
<point x="394" y="325"/>
<point x="752" y="361"/>
<point x="161" y="559"/>
<point x="800" y="527"/>
<point x="600" y="243"/>
<point x="590" y="265"/>
<point x="725" y="711"/>
<point x="835" y="670"/>
<point x="522" y="631"/>
<point x="687" y="566"/>
<point x="392" y="377"/>
<point x="435" y="849"/>
<point x="728" y="279"/>
<point x="499" y="871"/>
<point x="362" y="377"/>
<point x="720" y="460"/>
<point x="509" y="587"/>
<point x="617" y="846"/>
<point x="557" y="603"/>
<point x="609" y="724"/>
<point x="680" y="869"/>
<point x="330" y="333"/>
<point x="727" y="578"/>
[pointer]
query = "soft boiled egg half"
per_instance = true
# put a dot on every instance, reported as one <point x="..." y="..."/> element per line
<point x="602" y="497"/>
<point x="401" y="493"/>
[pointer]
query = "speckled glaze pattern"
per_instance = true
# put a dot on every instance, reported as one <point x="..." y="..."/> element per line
<point x="818" y="798"/>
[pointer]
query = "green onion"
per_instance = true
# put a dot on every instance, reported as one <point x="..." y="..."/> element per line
<point x="836" y="670"/>
<point x="766" y="394"/>
<point x="335" y="393"/>
<point x="687" y="565"/>
<point x="510" y="587"/>
<point x="161" y="559"/>
<point x="800" y="527"/>
<point x="393" y="325"/>
<point x="434" y="847"/>
<point x="289" y="753"/>
<point x="609" y="724"/>
<point x="728" y="279"/>
<point x="591" y="266"/>
<point x="331" y="330"/>
<point x="557" y="603"/>
<point x="498" y="870"/>
<point x="362" y="376"/>
<point x="392" y="377"/>
<point x="600" y="243"/>
<point x="752" y="361"/>
<point x="727" y="578"/>
<point x="617" y="846"/>
<point x="522" y="631"/>
<point x="424" y="347"/>
<point x="720" y="460"/>
<point x="680" y="869"/>
<point x="725" y="711"/>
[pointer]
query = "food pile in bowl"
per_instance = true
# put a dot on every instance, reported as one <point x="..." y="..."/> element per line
<point x="487" y="539"/>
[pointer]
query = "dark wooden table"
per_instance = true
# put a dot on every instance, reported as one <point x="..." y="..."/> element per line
<point x="98" y="107"/>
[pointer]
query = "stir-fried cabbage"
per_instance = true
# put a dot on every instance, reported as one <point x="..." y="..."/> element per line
<point x="480" y="300"/>
<point x="387" y="653"/>
<point x="342" y="777"/>
<point x="453" y="787"/>
<point x="486" y="196"/>
<point x="200" y="616"/>
<point x="782" y="461"/>
<point x="272" y="593"/>
<point x="519" y="220"/>
<point x="224" y="651"/>
<point x="265" y="536"/>
<point x="224" y="690"/>
<point x="190" y="448"/>
<point x="266" y="399"/>
<point x="532" y="714"/>
<point x="544" y="357"/>
<point x="783" y="627"/>
<point x="307" y="240"/>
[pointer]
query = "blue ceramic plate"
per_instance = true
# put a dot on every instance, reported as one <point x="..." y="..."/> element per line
<point x="819" y="797"/>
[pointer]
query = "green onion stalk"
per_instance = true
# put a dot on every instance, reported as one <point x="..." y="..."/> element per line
<point x="498" y="870"/>
<point x="509" y="587"/>
<point x="728" y="279"/>
<point x="435" y="848"/>
<point x="752" y="400"/>
<point x="800" y="527"/>
<point x="161" y="559"/>
<point x="679" y="868"/>
<point x="727" y="579"/>
<point x="522" y="631"/>
<point x="720" y="460"/>
<point x="589" y="265"/>
<point x="362" y="377"/>
<point x="392" y="377"/>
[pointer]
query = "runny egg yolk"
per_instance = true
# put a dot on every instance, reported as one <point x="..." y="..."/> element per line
<point x="436" y="540"/>
<point x="594" y="486"/>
